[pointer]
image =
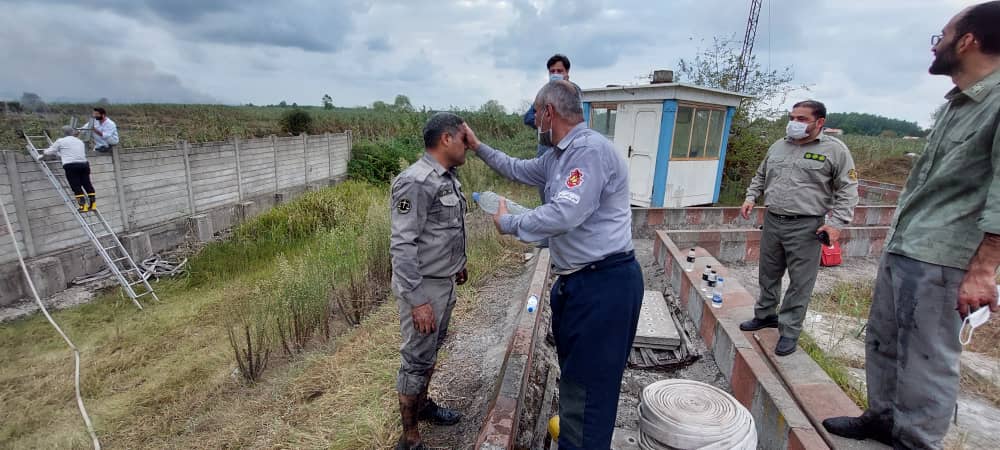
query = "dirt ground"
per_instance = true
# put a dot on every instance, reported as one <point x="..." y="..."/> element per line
<point x="471" y="358"/>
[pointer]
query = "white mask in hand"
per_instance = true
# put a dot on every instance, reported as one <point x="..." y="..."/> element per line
<point x="972" y="321"/>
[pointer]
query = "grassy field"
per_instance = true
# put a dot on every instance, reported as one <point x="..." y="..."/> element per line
<point x="300" y="290"/>
<point x="147" y="125"/>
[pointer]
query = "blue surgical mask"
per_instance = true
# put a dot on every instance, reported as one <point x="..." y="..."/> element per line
<point x="556" y="77"/>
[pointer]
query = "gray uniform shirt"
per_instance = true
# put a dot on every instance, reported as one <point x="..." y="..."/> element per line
<point x="588" y="215"/>
<point x="428" y="228"/>
<point x="808" y="180"/>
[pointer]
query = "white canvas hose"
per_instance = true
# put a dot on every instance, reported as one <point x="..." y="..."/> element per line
<point x="76" y="353"/>
<point x="685" y="414"/>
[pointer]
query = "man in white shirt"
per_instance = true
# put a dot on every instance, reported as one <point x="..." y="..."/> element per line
<point x="104" y="132"/>
<point x="72" y="151"/>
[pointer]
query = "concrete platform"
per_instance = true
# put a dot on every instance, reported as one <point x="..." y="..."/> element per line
<point x="656" y="328"/>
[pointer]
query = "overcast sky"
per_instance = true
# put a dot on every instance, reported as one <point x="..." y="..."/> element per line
<point x="857" y="55"/>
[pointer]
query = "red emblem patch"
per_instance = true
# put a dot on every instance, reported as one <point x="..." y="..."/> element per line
<point x="574" y="179"/>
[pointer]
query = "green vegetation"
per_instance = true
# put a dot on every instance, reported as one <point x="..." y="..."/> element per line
<point x="872" y="125"/>
<point x="296" y="121"/>
<point x="144" y="125"/>
<point x="835" y="368"/>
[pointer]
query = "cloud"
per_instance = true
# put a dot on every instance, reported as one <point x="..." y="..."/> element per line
<point x="591" y="32"/>
<point x="58" y="64"/>
<point x="378" y="44"/>
<point x="303" y="24"/>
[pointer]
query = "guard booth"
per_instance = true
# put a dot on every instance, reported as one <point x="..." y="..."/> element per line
<point x="674" y="136"/>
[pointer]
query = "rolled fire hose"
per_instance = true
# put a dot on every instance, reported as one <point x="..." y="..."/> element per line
<point x="685" y="414"/>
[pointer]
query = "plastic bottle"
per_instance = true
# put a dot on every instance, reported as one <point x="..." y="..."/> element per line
<point x="489" y="202"/>
<point x="704" y="277"/>
<point x="717" y="300"/>
<point x="532" y="303"/>
<point x="712" y="278"/>
<point x="689" y="263"/>
<point x="718" y="285"/>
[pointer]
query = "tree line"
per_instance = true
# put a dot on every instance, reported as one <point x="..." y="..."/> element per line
<point x="873" y="125"/>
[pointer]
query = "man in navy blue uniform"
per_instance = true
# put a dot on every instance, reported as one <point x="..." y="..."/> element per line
<point x="588" y="221"/>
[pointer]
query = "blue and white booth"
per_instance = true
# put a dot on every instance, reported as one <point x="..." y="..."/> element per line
<point x="674" y="136"/>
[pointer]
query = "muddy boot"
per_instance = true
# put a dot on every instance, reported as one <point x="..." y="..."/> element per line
<point x="409" y="410"/>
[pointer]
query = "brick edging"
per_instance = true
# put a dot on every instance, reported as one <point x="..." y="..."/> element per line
<point x="780" y="422"/>
<point x="504" y="412"/>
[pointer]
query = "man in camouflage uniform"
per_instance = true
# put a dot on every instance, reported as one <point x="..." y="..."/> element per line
<point x="428" y="260"/>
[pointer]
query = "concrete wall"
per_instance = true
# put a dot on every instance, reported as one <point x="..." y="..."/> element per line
<point x="877" y="193"/>
<point x="646" y="221"/>
<point x="155" y="190"/>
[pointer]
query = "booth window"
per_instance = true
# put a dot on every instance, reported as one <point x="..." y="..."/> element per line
<point x="698" y="133"/>
<point x="602" y="119"/>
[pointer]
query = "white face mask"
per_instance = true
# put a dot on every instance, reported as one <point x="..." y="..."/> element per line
<point x="556" y="77"/>
<point x="972" y="321"/>
<point x="797" y="130"/>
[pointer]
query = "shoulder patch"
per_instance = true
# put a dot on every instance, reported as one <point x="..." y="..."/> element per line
<point x="404" y="205"/>
<point x="852" y="174"/>
<point x="575" y="178"/>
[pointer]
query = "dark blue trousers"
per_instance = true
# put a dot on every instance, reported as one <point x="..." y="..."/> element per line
<point x="594" y="316"/>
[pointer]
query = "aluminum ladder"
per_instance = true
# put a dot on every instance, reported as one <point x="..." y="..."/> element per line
<point x="133" y="280"/>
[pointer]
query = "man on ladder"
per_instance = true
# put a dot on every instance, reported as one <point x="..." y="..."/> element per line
<point x="74" y="160"/>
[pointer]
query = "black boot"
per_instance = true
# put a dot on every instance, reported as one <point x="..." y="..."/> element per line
<point x="860" y="428"/>
<point x="757" y="324"/>
<point x="437" y="415"/>
<point x="786" y="346"/>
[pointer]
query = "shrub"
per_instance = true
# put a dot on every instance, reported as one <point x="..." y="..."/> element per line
<point x="249" y="334"/>
<point x="296" y="121"/>
<point x="377" y="162"/>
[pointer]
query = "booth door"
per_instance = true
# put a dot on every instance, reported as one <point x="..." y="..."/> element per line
<point x="637" y="136"/>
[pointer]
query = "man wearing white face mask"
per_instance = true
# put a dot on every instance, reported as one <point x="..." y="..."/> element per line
<point x="802" y="178"/>
<point x="558" y="67"/>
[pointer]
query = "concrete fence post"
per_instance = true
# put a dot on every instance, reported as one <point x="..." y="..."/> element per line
<point x="274" y="151"/>
<point x="329" y="156"/>
<point x="116" y="167"/>
<point x="305" y="159"/>
<point x="239" y="168"/>
<point x="20" y="211"/>
<point x="187" y="175"/>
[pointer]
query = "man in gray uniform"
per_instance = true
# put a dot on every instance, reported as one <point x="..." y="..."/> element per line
<point x="943" y="251"/>
<point x="588" y="221"/>
<point x="803" y="177"/>
<point x="428" y="260"/>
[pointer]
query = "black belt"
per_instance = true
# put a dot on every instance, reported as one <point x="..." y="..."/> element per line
<point x="788" y="217"/>
<point x="608" y="261"/>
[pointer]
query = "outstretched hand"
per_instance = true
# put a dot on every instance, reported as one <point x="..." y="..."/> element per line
<point x="469" y="137"/>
